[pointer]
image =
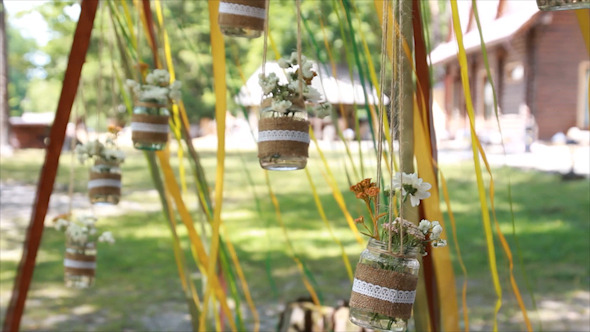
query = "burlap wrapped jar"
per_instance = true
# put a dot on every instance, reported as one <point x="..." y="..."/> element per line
<point x="242" y="18"/>
<point x="104" y="183"/>
<point x="384" y="288"/>
<point x="149" y="125"/>
<point x="283" y="138"/>
<point x="79" y="264"/>
<point x="551" y="5"/>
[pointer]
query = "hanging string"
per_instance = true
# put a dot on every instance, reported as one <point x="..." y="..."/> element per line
<point x="299" y="56"/>
<point x="399" y="96"/>
<point x="381" y="103"/>
<point x="73" y="153"/>
<point x="99" y="103"/>
<point x="265" y="47"/>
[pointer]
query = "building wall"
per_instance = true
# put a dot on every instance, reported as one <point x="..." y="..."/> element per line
<point x="559" y="49"/>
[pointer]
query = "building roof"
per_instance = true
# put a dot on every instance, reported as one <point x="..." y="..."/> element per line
<point x="517" y="17"/>
<point x="337" y="89"/>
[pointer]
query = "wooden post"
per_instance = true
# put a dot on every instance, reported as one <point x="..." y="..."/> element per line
<point x="32" y="241"/>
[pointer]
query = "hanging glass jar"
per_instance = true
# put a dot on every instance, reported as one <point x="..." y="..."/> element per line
<point x="79" y="264"/>
<point x="550" y="5"/>
<point x="104" y="185"/>
<point x="283" y="138"/>
<point x="242" y="18"/>
<point x="149" y="125"/>
<point x="384" y="287"/>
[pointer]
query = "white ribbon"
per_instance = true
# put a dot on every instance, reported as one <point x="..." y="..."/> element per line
<point x="149" y="127"/>
<point x="283" y="135"/>
<point x="242" y="10"/>
<point x="383" y="293"/>
<point x="96" y="183"/>
<point x="79" y="264"/>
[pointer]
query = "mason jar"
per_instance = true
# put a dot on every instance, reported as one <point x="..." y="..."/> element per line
<point x="149" y="125"/>
<point x="283" y="138"/>
<point x="242" y="18"/>
<point x="104" y="185"/>
<point x="550" y="5"/>
<point x="79" y="264"/>
<point x="384" y="287"/>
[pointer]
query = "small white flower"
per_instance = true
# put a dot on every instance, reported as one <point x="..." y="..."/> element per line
<point x="281" y="106"/>
<point x="311" y="94"/>
<point x="411" y="185"/>
<point x="268" y="83"/>
<point x="176" y="85"/>
<point x="283" y="63"/>
<point x="294" y="58"/>
<point x="106" y="237"/>
<point x="424" y="226"/>
<point x="76" y="233"/>
<point x="61" y="224"/>
<point x="436" y="231"/>
<point x="306" y="69"/>
<point x="439" y="244"/>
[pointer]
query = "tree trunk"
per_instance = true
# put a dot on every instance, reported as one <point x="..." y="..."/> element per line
<point x="4" y="114"/>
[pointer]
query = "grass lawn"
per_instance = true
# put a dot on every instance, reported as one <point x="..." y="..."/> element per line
<point x="138" y="288"/>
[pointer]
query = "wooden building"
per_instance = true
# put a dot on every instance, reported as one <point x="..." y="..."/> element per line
<point x="539" y="65"/>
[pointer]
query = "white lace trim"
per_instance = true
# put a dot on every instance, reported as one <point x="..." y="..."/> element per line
<point x="283" y="135"/>
<point x="79" y="264"/>
<point x="383" y="293"/>
<point x="149" y="127"/>
<point x="242" y="10"/>
<point x="96" y="183"/>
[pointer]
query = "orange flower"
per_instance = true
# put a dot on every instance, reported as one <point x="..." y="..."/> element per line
<point x="372" y="191"/>
<point x="114" y="129"/>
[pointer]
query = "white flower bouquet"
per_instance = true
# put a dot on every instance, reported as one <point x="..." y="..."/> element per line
<point x="149" y="122"/>
<point x="107" y="152"/>
<point x="297" y="91"/>
<point x="386" y="276"/>
<point x="80" y="253"/>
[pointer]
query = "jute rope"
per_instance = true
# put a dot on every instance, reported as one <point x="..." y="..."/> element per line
<point x="243" y="21"/>
<point x="383" y="278"/>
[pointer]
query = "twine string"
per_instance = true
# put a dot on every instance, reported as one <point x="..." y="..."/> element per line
<point x="265" y="47"/>
<point x="299" y="56"/>
<point x="381" y="103"/>
<point x="399" y="57"/>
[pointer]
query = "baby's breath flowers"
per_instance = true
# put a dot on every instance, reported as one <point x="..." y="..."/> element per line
<point x="157" y="87"/>
<point x="81" y="230"/>
<point x="402" y="233"/>
<point x="107" y="152"/>
<point x="297" y="91"/>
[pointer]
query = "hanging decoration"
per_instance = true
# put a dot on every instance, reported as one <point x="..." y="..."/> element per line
<point x="104" y="184"/>
<point x="283" y="128"/>
<point x="386" y="276"/>
<point x="149" y="122"/>
<point x="242" y="18"/>
<point x="80" y="252"/>
<point x="551" y="5"/>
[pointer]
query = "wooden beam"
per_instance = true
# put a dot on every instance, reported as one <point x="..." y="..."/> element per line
<point x="32" y="241"/>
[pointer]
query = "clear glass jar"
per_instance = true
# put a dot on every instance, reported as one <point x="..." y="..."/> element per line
<point x="104" y="184"/>
<point x="149" y="125"/>
<point x="551" y="5"/>
<point x="283" y="139"/>
<point x="79" y="264"/>
<point x="384" y="288"/>
<point x="242" y="18"/>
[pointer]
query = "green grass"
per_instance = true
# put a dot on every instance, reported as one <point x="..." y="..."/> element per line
<point x="137" y="280"/>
